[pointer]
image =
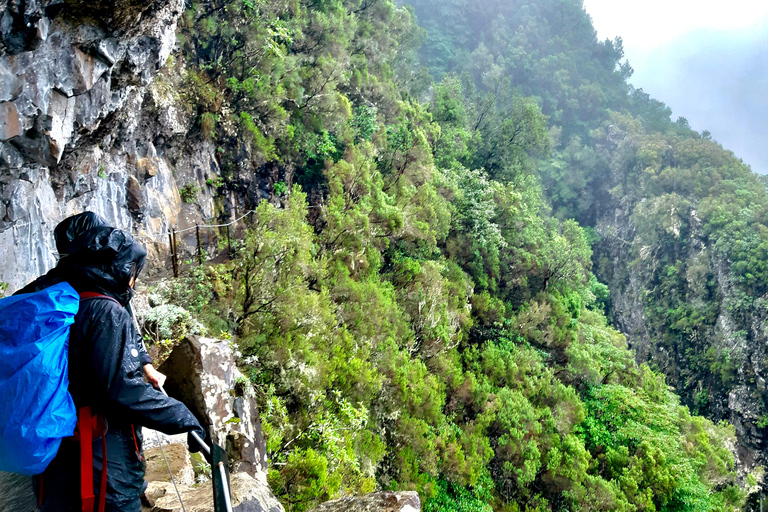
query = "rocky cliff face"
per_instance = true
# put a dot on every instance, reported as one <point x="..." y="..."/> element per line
<point x="88" y="121"/>
<point x="202" y="373"/>
<point x="717" y="362"/>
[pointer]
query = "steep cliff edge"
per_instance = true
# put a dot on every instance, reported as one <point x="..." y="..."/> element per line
<point x="685" y="285"/>
<point x="87" y="124"/>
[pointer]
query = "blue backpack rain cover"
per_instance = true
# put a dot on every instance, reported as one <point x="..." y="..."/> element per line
<point x="36" y="409"/>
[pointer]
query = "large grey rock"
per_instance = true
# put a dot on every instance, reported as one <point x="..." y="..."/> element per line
<point x="387" y="501"/>
<point x="10" y="85"/>
<point x="65" y="58"/>
<point x="16" y="493"/>
<point x="248" y="495"/>
<point x="171" y="460"/>
<point x="201" y="373"/>
<point x="10" y="126"/>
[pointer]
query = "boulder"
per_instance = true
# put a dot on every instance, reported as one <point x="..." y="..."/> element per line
<point x="387" y="501"/>
<point x="16" y="493"/>
<point x="87" y="71"/>
<point x="134" y="196"/>
<point x="10" y="126"/>
<point x="201" y="373"/>
<point x="248" y="495"/>
<point x="178" y="459"/>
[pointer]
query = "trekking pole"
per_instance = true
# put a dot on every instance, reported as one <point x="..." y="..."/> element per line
<point x="222" y="470"/>
<point x="225" y="485"/>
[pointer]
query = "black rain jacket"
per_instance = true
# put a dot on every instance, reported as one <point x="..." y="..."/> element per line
<point x="105" y="373"/>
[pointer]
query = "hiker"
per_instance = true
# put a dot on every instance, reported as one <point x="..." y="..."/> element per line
<point x="102" y="265"/>
<point x="66" y="235"/>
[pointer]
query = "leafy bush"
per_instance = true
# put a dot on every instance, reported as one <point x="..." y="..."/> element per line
<point x="189" y="193"/>
<point x="170" y="322"/>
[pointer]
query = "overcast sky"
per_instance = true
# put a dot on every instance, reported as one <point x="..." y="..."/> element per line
<point x="706" y="59"/>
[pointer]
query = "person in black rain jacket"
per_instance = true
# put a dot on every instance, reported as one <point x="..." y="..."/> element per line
<point x="105" y="373"/>
<point x="66" y="234"/>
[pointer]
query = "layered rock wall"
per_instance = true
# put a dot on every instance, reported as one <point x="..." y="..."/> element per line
<point x="88" y="123"/>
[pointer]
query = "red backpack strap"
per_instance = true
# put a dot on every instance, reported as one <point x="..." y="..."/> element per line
<point x="86" y="459"/>
<point x="103" y="483"/>
<point x="89" y="425"/>
<point x="94" y="295"/>
<point x="93" y="425"/>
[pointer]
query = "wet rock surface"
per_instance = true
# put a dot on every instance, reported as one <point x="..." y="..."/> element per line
<point x="248" y="495"/>
<point x="93" y="117"/>
<point x="388" y="501"/>
<point x="169" y="461"/>
<point x="202" y="374"/>
<point x="63" y="70"/>
<point x="82" y="101"/>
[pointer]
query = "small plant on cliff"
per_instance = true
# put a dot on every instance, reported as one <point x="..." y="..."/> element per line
<point x="189" y="193"/>
<point x="217" y="182"/>
<point x="208" y="124"/>
<point x="280" y="188"/>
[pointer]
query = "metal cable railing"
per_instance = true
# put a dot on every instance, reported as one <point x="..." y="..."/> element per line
<point x="172" y="241"/>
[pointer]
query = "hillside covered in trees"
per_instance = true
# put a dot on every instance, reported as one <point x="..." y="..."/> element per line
<point x="469" y="202"/>
<point x="679" y="223"/>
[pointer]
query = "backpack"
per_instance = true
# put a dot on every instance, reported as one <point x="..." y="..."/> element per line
<point x="36" y="409"/>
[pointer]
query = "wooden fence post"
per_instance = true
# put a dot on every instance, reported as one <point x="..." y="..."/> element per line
<point x="176" y="251"/>
<point x="174" y="263"/>
<point x="229" y="242"/>
<point x="199" y="246"/>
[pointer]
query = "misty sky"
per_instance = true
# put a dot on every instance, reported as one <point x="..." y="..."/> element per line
<point x="706" y="59"/>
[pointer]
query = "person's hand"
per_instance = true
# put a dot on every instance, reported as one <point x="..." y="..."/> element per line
<point x="194" y="445"/>
<point x="153" y="376"/>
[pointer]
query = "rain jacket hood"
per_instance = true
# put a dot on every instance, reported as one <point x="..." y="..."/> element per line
<point x="104" y="260"/>
<point x="67" y="235"/>
<point x="70" y="229"/>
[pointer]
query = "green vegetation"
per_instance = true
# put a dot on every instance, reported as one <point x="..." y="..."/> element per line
<point x="434" y="324"/>
<point x="680" y="225"/>
<point x="189" y="193"/>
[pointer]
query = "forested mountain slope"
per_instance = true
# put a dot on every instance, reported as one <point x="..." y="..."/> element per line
<point x="413" y="311"/>
<point x="414" y="301"/>
<point x="679" y="223"/>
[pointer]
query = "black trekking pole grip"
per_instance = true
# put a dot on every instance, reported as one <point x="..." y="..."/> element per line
<point x="205" y="447"/>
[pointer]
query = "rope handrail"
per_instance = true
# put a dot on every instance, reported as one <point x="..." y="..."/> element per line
<point x="209" y="226"/>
